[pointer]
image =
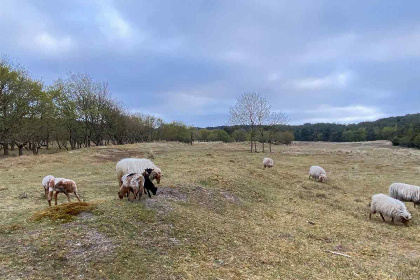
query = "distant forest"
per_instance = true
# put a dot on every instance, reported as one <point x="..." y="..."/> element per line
<point x="401" y="130"/>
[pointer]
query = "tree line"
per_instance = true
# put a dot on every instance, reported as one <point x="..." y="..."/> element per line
<point x="73" y="112"/>
<point x="400" y="130"/>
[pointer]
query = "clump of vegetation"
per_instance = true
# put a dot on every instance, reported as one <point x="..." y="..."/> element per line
<point x="64" y="212"/>
<point x="4" y="229"/>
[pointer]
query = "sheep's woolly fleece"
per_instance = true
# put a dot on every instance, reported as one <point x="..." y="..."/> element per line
<point x="389" y="206"/>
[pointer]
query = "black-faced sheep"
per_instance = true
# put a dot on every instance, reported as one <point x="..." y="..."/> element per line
<point x="390" y="207"/>
<point x="61" y="185"/>
<point x="405" y="192"/>
<point x="318" y="173"/>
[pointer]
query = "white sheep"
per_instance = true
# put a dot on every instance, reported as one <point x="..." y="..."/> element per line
<point x="405" y="192"/>
<point x="390" y="207"/>
<point x="45" y="182"/>
<point x="137" y="165"/>
<point x="268" y="162"/>
<point x="318" y="173"/>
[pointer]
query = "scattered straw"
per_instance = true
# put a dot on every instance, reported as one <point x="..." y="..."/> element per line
<point x="64" y="212"/>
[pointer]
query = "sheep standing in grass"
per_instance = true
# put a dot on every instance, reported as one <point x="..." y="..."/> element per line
<point x="137" y="165"/>
<point x="61" y="185"/>
<point x="132" y="182"/>
<point x="45" y="183"/>
<point x="268" y="162"/>
<point x="390" y="207"/>
<point x="318" y="173"/>
<point x="405" y="192"/>
<point x="148" y="184"/>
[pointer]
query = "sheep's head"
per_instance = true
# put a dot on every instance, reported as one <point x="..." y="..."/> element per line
<point x="120" y="195"/>
<point x="405" y="218"/>
<point x="323" y="178"/>
<point x="156" y="175"/>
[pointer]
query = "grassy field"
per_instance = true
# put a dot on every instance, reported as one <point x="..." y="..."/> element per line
<point x="218" y="215"/>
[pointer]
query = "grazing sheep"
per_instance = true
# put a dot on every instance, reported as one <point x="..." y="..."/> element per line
<point x="137" y="165"/>
<point x="133" y="182"/>
<point x="405" y="192"/>
<point x="45" y="183"/>
<point x="318" y="173"/>
<point x="61" y="185"/>
<point x="148" y="184"/>
<point x="268" y="162"/>
<point x="391" y="207"/>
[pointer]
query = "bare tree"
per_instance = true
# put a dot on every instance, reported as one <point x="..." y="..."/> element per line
<point x="275" y="119"/>
<point x="250" y="110"/>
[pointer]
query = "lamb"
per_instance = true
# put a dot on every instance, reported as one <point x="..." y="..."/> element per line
<point x="268" y="162"/>
<point x="391" y="207"/>
<point x="45" y="183"/>
<point x="62" y="185"/>
<point x="133" y="182"/>
<point x="148" y="184"/>
<point x="318" y="173"/>
<point x="405" y="192"/>
<point x="137" y="165"/>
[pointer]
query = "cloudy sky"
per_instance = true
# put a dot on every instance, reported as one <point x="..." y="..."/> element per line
<point x="318" y="61"/>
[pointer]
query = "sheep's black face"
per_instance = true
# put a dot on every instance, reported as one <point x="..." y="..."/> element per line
<point x="148" y="171"/>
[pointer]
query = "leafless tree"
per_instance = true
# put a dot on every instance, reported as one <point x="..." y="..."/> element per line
<point x="250" y="110"/>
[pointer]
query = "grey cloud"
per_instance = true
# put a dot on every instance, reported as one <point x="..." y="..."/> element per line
<point x="356" y="60"/>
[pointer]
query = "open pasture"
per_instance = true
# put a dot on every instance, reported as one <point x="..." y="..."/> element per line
<point x="218" y="215"/>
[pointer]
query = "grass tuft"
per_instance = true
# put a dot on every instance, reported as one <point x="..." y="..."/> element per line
<point x="64" y="212"/>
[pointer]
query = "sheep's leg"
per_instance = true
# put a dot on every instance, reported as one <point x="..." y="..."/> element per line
<point x="414" y="205"/>
<point x="55" y="197"/>
<point x="50" y="194"/>
<point x="148" y="193"/>
<point x="77" y="196"/>
<point x="382" y="216"/>
<point x="370" y="215"/>
<point x="68" y="197"/>
<point x="392" y="220"/>
<point x="135" y="194"/>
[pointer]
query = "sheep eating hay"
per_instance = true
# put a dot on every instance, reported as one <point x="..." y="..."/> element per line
<point x="318" y="173"/>
<point x="61" y="185"/>
<point x="391" y="207"/>
<point x="268" y="162"/>
<point x="405" y="192"/>
<point x="137" y="165"/>
<point x="45" y="183"/>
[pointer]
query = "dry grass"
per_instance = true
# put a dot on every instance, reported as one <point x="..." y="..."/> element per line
<point x="218" y="214"/>
<point x="64" y="212"/>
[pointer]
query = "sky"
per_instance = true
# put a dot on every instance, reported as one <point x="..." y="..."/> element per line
<point x="316" y="61"/>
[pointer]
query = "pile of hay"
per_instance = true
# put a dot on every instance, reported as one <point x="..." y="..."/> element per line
<point x="64" y="212"/>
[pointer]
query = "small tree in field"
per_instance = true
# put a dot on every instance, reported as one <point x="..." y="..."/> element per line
<point x="250" y="110"/>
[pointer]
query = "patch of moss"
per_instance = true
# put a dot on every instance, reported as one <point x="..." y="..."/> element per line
<point x="64" y="212"/>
